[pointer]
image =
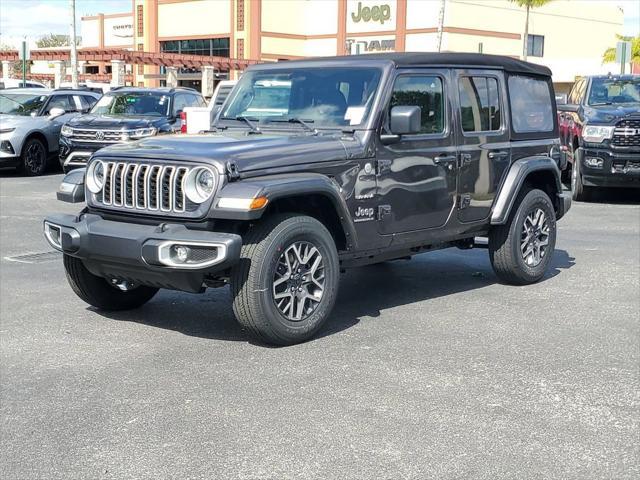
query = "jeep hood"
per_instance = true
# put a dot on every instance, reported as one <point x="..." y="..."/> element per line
<point x="248" y="151"/>
<point x="112" y="122"/>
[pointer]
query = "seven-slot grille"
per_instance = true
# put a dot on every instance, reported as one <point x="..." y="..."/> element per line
<point x="142" y="186"/>
<point x="627" y="133"/>
<point x="100" y="136"/>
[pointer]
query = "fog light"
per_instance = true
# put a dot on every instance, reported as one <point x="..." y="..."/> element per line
<point x="594" y="162"/>
<point x="52" y="234"/>
<point x="180" y="253"/>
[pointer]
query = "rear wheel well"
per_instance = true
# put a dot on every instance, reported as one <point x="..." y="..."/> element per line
<point x="543" y="180"/>
<point x="317" y="206"/>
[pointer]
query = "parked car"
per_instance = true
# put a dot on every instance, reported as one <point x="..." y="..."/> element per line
<point x="200" y="118"/>
<point x="122" y="115"/>
<point x="377" y="157"/>
<point x="30" y="123"/>
<point x="7" y="83"/>
<point x="600" y="128"/>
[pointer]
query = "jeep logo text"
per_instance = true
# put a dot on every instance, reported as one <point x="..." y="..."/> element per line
<point x="376" y="13"/>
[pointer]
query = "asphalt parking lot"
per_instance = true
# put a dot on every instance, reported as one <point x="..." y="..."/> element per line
<point x="427" y="369"/>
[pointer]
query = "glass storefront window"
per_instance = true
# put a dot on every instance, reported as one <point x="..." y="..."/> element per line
<point x="217" y="47"/>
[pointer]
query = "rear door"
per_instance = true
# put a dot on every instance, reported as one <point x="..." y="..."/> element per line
<point x="483" y="140"/>
<point x="416" y="179"/>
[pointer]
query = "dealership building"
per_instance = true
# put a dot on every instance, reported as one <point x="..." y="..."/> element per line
<point x="569" y="36"/>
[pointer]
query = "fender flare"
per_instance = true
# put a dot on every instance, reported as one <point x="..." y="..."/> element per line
<point x="275" y="187"/>
<point x="518" y="172"/>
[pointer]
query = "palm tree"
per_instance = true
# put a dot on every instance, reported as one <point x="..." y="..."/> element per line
<point x="528" y="4"/>
<point x="610" y="53"/>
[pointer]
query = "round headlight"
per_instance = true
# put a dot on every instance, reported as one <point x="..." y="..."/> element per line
<point x="95" y="176"/>
<point x="199" y="184"/>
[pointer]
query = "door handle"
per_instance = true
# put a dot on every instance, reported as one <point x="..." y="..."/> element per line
<point x="444" y="159"/>
<point x="493" y="155"/>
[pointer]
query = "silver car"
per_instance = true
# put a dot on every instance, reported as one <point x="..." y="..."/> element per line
<point x="30" y="123"/>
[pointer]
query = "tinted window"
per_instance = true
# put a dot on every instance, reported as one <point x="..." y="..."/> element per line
<point x="20" y="103"/>
<point x="531" y="107"/>
<point x="479" y="104"/>
<point x="132" y="104"/>
<point x="87" y="102"/>
<point x="196" y="101"/>
<point x="424" y="92"/>
<point x="64" y="102"/>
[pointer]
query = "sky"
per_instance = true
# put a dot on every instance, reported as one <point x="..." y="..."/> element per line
<point x="38" y="17"/>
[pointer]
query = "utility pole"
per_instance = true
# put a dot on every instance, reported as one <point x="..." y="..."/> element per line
<point x="72" y="41"/>
<point x="441" y="24"/>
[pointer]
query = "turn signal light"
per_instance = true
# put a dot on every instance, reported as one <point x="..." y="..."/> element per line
<point x="258" y="203"/>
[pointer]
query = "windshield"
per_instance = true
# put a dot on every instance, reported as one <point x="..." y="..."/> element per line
<point x="611" y="91"/>
<point x="325" y="97"/>
<point x="21" y="103"/>
<point x="133" y="104"/>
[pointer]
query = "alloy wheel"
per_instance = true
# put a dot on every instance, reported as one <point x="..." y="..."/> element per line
<point x="35" y="157"/>
<point x="535" y="237"/>
<point x="299" y="281"/>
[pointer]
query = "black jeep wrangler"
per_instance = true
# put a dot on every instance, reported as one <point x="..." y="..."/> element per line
<point x="600" y="129"/>
<point x="124" y="114"/>
<point x="319" y="165"/>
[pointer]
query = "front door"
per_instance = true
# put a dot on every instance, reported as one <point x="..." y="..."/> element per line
<point x="483" y="139"/>
<point x="416" y="174"/>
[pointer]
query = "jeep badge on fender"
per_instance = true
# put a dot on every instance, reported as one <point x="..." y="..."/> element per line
<point x="297" y="183"/>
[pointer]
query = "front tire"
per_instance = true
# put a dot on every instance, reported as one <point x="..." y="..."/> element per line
<point x="521" y="250"/>
<point x="286" y="282"/>
<point x="99" y="293"/>
<point x="33" y="160"/>
<point x="579" y="192"/>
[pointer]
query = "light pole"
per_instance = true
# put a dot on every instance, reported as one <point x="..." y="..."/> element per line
<point x="72" y="40"/>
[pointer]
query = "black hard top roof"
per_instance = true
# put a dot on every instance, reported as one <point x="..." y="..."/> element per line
<point x="449" y="59"/>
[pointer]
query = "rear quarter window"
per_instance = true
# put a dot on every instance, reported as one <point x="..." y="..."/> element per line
<point x="532" y="105"/>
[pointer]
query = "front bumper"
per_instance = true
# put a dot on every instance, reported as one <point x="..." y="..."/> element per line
<point x="618" y="169"/>
<point x="73" y="154"/>
<point x="139" y="253"/>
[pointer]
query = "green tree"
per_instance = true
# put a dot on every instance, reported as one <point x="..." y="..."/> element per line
<point x="528" y="4"/>
<point x="52" y="40"/>
<point x="610" y="53"/>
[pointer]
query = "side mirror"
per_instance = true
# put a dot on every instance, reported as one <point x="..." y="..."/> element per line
<point x="56" y="112"/>
<point x="568" y="107"/>
<point x="71" y="189"/>
<point x="405" y="120"/>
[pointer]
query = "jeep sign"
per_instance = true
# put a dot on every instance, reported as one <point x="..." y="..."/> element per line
<point x="377" y="13"/>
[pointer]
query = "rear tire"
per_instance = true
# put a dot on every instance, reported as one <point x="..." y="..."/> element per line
<point x="99" y="293"/>
<point x="34" y="158"/>
<point x="520" y="250"/>
<point x="286" y="282"/>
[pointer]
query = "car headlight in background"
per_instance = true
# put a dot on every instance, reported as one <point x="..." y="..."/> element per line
<point x="143" y="132"/>
<point x="66" y="131"/>
<point x="199" y="184"/>
<point x="596" y="134"/>
<point x="95" y="176"/>
<point x="7" y="130"/>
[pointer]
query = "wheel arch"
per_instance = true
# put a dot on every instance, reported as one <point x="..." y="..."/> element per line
<point x="309" y="194"/>
<point x="532" y="172"/>
<point x="40" y="136"/>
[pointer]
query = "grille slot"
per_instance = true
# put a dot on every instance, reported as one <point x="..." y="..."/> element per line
<point x="627" y="133"/>
<point x="145" y="187"/>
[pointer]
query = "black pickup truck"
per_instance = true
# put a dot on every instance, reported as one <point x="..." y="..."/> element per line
<point x="319" y="165"/>
<point x="600" y="129"/>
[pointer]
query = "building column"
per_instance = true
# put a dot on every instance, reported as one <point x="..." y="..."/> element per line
<point x="208" y="81"/>
<point x="6" y="70"/>
<point x="172" y="77"/>
<point x="59" y="73"/>
<point x="117" y="73"/>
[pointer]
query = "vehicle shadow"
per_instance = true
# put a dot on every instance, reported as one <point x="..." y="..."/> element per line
<point x="364" y="292"/>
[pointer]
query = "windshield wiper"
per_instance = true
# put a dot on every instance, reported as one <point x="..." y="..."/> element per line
<point x="304" y="123"/>
<point x="600" y="103"/>
<point x="254" y="128"/>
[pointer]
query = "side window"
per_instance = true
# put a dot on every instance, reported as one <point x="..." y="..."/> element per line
<point x="425" y="92"/>
<point x="180" y="101"/>
<point x="87" y="102"/>
<point x="479" y="104"/>
<point x="195" y="101"/>
<point x="61" y="101"/>
<point x="530" y="101"/>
